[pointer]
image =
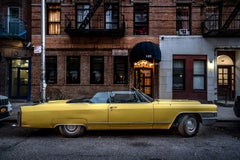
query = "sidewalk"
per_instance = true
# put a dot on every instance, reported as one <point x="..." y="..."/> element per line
<point x="225" y="111"/>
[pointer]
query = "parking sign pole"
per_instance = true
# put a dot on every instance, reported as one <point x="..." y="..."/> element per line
<point x="43" y="67"/>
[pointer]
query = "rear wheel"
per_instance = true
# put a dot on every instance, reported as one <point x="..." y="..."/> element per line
<point x="71" y="130"/>
<point x="188" y="125"/>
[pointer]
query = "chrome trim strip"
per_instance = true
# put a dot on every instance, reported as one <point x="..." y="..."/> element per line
<point x="127" y="123"/>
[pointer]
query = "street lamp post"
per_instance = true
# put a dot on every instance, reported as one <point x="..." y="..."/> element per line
<point x="43" y="67"/>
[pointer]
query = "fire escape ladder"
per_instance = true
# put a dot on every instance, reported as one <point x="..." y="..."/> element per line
<point x="91" y="12"/>
<point x="231" y="17"/>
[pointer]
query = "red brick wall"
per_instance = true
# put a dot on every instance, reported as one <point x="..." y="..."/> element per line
<point x="162" y="21"/>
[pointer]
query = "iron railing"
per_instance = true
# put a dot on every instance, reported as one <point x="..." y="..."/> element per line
<point x="12" y="27"/>
<point x="225" y="22"/>
<point x="96" y="27"/>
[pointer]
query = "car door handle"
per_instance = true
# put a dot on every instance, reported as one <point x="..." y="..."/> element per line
<point x="113" y="107"/>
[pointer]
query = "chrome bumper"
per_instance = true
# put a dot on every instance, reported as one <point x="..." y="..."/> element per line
<point x="208" y="118"/>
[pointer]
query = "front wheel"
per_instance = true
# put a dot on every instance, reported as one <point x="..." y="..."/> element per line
<point x="71" y="131"/>
<point x="188" y="125"/>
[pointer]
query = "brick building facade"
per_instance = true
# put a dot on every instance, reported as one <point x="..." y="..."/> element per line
<point x="15" y="35"/>
<point x="167" y="48"/>
<point x="161" y="20"/>
<point x="106" y="33"/>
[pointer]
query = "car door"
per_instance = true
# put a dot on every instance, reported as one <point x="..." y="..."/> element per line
<point x="126" y="112"/>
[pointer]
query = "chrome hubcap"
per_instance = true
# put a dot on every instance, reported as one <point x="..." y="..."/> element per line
<point x="71" y="128"/>
<point x="191" y="125"/>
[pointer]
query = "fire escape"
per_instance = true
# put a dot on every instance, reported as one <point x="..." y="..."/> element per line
<point x="222" y="18"/>
<point x="11" y="27"/>
<point x="95" y="22"/>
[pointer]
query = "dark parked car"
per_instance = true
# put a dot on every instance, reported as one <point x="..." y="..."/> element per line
<point x="5" y="107"/>
<point x="236" y="107"/>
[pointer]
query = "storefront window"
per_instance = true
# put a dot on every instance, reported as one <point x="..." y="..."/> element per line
<point x="199" y="75"/>
<point x="97" y="70"/>
<point x="51" y="69"/>
<point x="178" y="74"/>
<point x="73" y="70"/>
<point x="120" y="69"/>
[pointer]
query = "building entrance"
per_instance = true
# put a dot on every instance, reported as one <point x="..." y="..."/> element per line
<point x="143" y="73"/>
<point x="19" y="78"/>
<point x="225" y="78"/>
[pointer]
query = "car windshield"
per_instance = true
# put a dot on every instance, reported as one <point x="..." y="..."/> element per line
<point x="134" y="96"/>
<point x="142" y="96"/>
<point x="124" y="97"/>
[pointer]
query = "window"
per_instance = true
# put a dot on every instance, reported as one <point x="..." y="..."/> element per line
<point x="120" y="69"/>
<point x="124" y="97"/>
<point x="111" y="15"/>
<point x="82" y="12"/>
<point x="199" y="71"/>
<point x="183" y="17"/>
<point x="51" y="69"/>
<point x="178" y="74"/>
<point x="140" y="19"/>
<point x="13" y="20"/>
<point x="54" y="18"/>
<point x="73" y="70"/>
<point x="97" y="70"/>
<point x="212" y="17"/>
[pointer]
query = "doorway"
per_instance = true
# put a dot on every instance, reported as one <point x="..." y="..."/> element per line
<point x="19" y="78"/>
<point x="144" y="77"/>
<point x="225" y="78"/>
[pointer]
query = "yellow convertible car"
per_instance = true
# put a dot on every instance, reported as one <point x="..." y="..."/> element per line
<point x="118" y="110"/>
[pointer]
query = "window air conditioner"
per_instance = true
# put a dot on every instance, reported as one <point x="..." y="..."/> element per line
<point x="183" y="32"/>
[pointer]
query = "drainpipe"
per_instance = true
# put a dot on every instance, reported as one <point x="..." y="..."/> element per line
<point x="43" y="67"/>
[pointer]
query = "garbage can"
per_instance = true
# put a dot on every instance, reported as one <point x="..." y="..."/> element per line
<point x="236" y="107"/>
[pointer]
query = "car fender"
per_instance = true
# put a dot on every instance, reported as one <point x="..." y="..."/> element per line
<point x="175" y="122"/>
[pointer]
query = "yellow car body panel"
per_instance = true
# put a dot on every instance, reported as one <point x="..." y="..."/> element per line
<point x="50" y="115"/>
<point x="118" y="110"/>
<point x="131" y="116"/>
<point x="166" y="111"/>
<point x="159" y="114"/>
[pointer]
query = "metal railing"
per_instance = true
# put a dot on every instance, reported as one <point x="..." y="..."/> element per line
<point x="213" y="23"/>
<point x="12" y="27"/>
<point x="96" y="22"/>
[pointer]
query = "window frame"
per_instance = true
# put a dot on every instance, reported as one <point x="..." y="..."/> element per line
<point x="51" y="66"/>
<point x="123" y="61"/>
<point x="70" y="68"/>
<point x="13" y="20"/>
<point x="84" y="11"/>
<point x="114" y="10"/>
<point x="179" y="75"/>
<point x="141" y="28"/>
<point x="203" y="75"/>
<point x="96" y="69"/>
<point x="53" y="23"/>
<point x="179" y="21"/>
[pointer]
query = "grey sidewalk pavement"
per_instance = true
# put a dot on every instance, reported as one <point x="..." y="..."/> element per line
<point x="225" y="111"/>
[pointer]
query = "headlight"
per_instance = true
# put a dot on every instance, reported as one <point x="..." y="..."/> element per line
<point x="3" y="109"/>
